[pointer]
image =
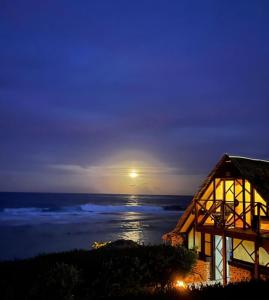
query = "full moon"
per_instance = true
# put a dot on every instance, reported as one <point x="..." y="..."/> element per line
<point x="133" y="174"/>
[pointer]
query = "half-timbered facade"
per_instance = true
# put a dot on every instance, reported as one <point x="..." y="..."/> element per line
<point x="227" y="221"/>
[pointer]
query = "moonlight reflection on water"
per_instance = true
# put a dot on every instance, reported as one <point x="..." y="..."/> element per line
<point x="131" y="227"/>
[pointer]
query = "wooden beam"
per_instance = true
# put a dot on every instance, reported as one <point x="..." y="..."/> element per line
<point x="234" y="192"/>
<point x="212" y="208"/>
<point x="244" y="203"/>
<point x="224" y="259"/>
<point x="256" y="264"/>
<point x="203" y="243"/>
<point x="213" y="266"/>
<point x="242" y="234"/>
<point x="195" y="213"/>
<point x="214" y="190"/>
<point x="252" y="205"/>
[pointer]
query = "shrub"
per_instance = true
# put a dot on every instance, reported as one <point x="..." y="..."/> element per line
<point x="103" y="272"/>
<point x="124" y="270"/>
<point x="57" y="283"/>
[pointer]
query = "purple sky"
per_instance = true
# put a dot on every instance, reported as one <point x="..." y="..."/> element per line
<point x="91" y="89"/>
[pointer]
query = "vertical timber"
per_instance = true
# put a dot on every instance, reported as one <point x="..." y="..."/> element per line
<point x="224" y="259"/>
<point x="256" y="264"/>
<point x="244" y="203"/>
<point x="224" y="246"/>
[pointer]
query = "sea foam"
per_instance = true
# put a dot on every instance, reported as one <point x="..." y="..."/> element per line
<point x="70" y="214"/>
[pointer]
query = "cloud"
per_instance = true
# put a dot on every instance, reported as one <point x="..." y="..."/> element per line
<point x="116" y="170"/>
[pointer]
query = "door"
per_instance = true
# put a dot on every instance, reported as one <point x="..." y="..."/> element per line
<point x="218" y="257"/>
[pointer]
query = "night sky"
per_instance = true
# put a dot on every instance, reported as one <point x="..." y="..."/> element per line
<point x="92" y="89"/>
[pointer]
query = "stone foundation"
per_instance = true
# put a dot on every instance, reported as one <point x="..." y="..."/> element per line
<point x="239" y="274"/>
<point x="176" y="240"/>
<point x="200" y="272"/>
<point x="173" y="239"/>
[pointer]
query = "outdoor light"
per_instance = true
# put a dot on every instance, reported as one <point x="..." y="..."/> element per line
<point x="180" y="284"/>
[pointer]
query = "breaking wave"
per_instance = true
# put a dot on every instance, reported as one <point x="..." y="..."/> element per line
<point x="22" y="210"/>
<point x="72" y="214"/>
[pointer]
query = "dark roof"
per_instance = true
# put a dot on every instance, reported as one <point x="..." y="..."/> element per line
<point x="254" y="170"/>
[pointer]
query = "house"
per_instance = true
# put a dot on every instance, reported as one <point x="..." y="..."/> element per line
<point x="227" y="222"/>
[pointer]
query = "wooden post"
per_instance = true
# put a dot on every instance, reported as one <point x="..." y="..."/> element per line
<point x="214" y="197"/>
<point x="214" y="190"/>
<point x="244" y="204"/>
<point x="252" y="205"/>
<point x="224" y="259"/>
<point x="212" y="239"/>
<point x="223" y="204"/>
<point x="222" y="207"/>
<point x="258" y="218"/>
<point x="203" y="244"/>
<point x="234" y="192"/>
<point x="256" y="259"/>
<point x="195" y="214"/>
<point x="256" y="265"/>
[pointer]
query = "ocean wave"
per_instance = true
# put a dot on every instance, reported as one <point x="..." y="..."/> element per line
<point x="22" y="210"/>
<point x="71" y="214"/>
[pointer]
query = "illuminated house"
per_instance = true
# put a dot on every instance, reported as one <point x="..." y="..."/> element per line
<point x="227" y="221"/>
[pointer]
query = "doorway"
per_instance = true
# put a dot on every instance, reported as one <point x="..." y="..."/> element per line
<point x="218" y="258"/>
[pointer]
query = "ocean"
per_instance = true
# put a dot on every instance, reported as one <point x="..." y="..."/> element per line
<point x="38" y="223"/>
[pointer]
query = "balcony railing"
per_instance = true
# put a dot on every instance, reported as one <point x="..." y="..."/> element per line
<point x="230" y="214"/>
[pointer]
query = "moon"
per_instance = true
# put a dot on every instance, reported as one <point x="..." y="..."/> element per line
<point x="133" y="174"/>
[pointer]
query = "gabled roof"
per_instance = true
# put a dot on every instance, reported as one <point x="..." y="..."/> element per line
<point x="254" y="170"/>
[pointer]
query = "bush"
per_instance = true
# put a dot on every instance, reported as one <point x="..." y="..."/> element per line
<point x="241" y="290"/>
<point x="108" y="271"/>
<point x="57" y="283"/>
<point x="122" y="274"/>
<point x="123" y="271"/>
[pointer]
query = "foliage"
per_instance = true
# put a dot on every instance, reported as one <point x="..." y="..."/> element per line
<point x="80" y="274"/>
<point x="241" y="290"/>
<point x="110" y="274"/>
<point x="133" y="269"/>
<point x="57" y="283"/>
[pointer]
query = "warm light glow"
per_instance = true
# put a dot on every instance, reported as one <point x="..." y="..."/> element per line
<point x="133" y="174"/>
<point x="181" y="284"/>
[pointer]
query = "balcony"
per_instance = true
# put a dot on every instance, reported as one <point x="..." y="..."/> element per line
<point x="220" y="216"/>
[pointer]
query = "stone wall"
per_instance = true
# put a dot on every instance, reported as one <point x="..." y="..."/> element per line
<point x="173" y="239"/>
<point x="200" y="272"/>
<point x="176" y="240"/>
<point x="239" y="274"/>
